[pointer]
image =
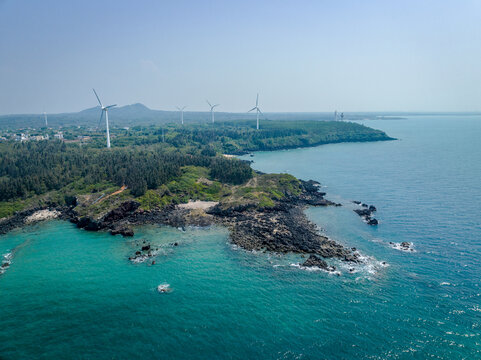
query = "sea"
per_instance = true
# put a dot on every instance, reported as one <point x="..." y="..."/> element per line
<point x="73" y="294"/>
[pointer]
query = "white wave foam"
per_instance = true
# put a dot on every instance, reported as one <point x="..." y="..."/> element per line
<point x="368" y="266"/>
<point x="5" y="263"/>
<point x="399" y="247"/>
<point x="144" y="257"/>
<point x="315" y="268"/>
<point x="307" y="268"/>
<point x="164" y="288"/>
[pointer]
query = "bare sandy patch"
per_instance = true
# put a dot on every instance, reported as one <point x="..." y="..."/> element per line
<point x="204" y="205"/>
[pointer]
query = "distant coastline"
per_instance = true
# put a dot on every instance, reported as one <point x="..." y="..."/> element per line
<point x="301" y="146"/>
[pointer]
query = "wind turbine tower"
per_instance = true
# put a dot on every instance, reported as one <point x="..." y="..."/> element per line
<point x="45" y="117"/>
<point x="212" y="109"/>
<point x="258" y="111"/>
<point x="182" y="114"/>
<point x="104" y="109"/>
<point x="335" y="115"/>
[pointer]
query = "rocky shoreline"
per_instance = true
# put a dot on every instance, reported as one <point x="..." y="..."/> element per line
<point x="283" y="228"/>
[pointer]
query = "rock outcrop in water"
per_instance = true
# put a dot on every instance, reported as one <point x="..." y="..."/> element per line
<point x="124" y="231"/>
<point x="403" y="246"/>
<point x="315" y="261"/>
<point x="366" y="212"/>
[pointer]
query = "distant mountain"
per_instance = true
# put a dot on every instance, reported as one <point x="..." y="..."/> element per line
<point x="138" y="114"/>
<point x="135" y="114"/>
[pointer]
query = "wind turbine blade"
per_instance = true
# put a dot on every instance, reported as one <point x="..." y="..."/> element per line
<point x="252" y="109"/>
<point x="209" y="103"/>
<point x="97" y="97"/>
<point x="100" y="120"/>
<point x="260" y="111"/>
<point x="215" y="105"/>
<point x="178" y="108"/>
<point x="257" y="100"/>
<point x="184" y="108"/>
<point x="108" y="107"/>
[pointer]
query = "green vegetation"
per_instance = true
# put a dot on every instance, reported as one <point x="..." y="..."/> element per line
<point x="241" y="137"/>
<point x="193" y="184"/>
<point x="159" y="166"/>
<point x="35" y="168"/>
<point x="262" y="190"/>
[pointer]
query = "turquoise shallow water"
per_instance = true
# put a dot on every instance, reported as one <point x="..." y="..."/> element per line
<point x="73" y="294"/>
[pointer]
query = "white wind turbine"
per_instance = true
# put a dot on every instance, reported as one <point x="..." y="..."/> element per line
<point x="106" y="110"/>
<point x="212" y="109"/>
<point x="45" y="117"/>
<point x="258" y="111"/>
<point x="181" y="109"/>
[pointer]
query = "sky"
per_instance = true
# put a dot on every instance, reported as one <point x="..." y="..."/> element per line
<point x="300" y="56"/>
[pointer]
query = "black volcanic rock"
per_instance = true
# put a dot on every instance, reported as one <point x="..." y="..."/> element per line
<point x="363" y="212"/>
<point x="313" y="260"/>
<point x="366" y="214"/>
<point x="121" y="212"/>
<point x="310" y="185"/>
<point x="124" y="231"/>
<point x="88" y="224"/>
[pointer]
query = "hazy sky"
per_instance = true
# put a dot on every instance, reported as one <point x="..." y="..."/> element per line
<point x="299" y="55"/>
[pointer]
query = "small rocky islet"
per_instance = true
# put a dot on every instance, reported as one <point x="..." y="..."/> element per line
<point x="366" y="212"/>
<point x="316" y="262"/>
<point x="403" y="246"/>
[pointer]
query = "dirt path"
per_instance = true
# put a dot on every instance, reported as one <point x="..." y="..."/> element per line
<point x="114" y="193"/>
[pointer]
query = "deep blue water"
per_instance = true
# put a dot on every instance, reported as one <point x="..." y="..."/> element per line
<point x="73" y="294"/>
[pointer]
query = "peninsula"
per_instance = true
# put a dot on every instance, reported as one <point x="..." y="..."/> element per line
<point x="179" y="176"/>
